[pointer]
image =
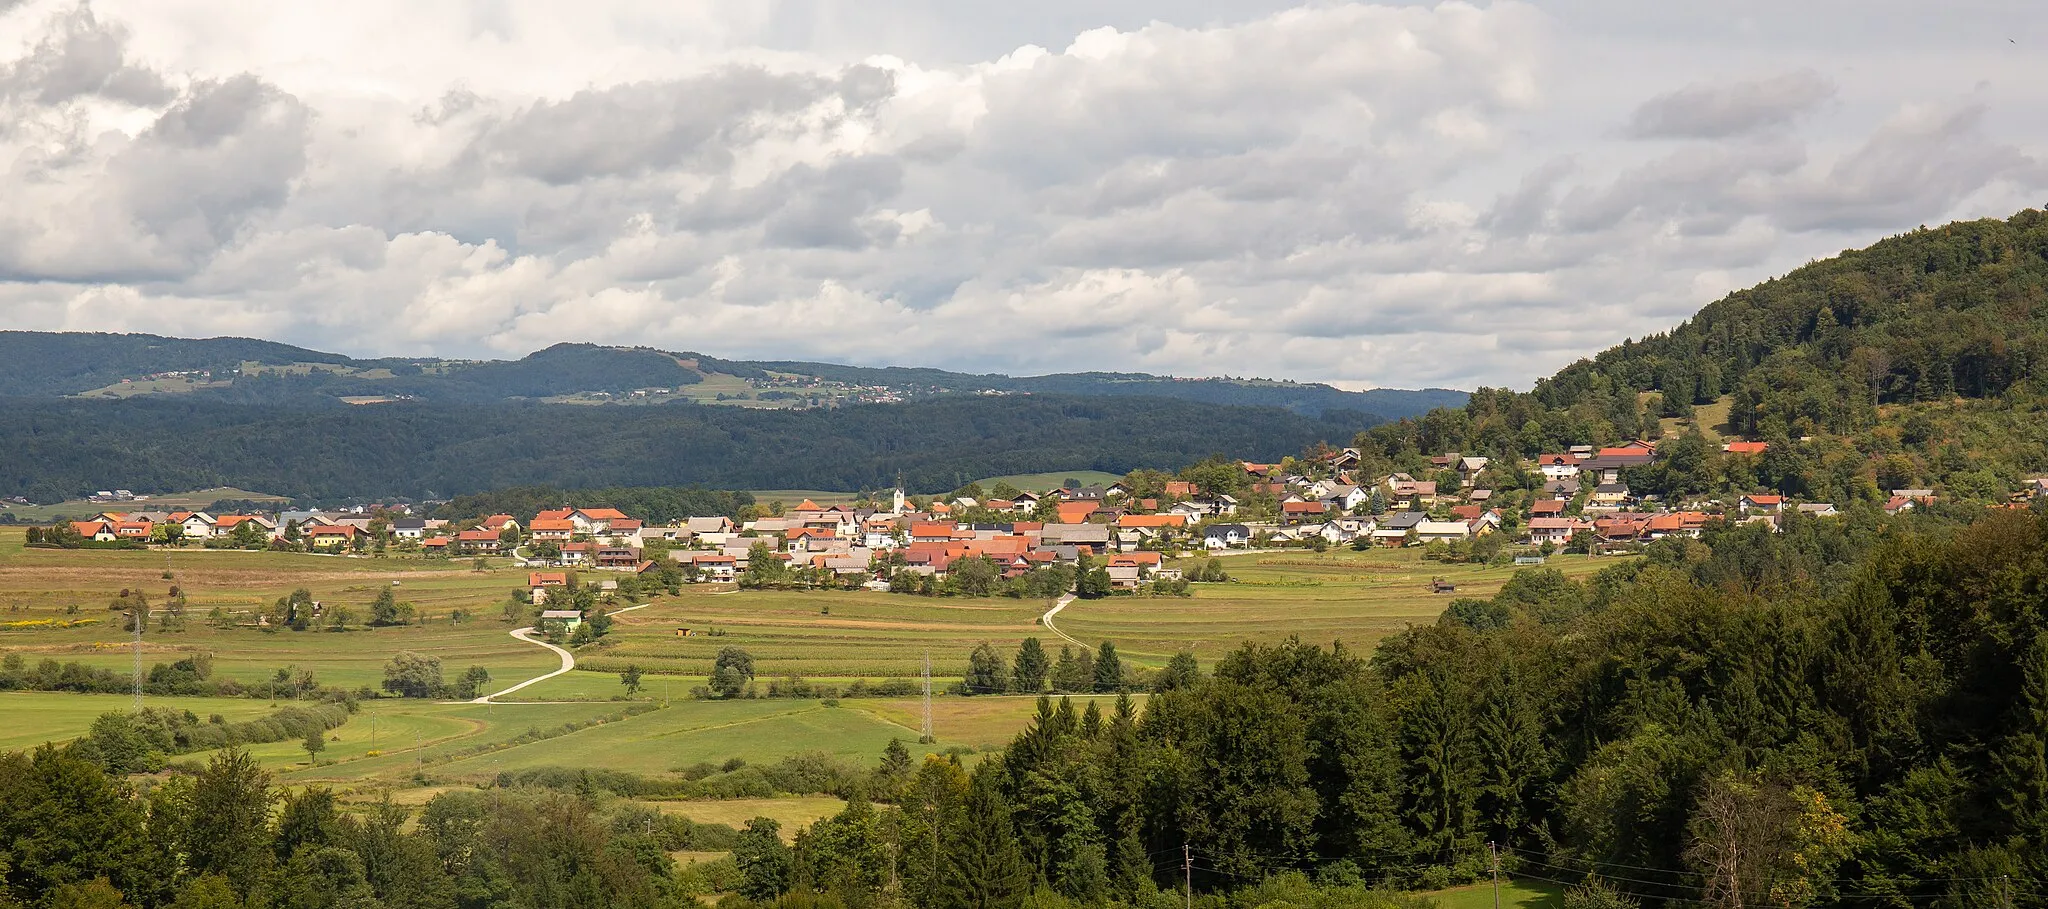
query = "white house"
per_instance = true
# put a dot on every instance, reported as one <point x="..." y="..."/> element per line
<point x="1432" y="531"/>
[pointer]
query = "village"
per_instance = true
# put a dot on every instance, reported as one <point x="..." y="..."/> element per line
<point x="1133" y="534"/>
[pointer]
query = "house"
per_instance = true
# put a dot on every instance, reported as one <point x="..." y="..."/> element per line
<point x="1226" y="536"/>
<point x="552" y="529"/>
<point x="1546" y="508"/>
<point x="547" y="579"/>
<point x="1761" y="504"/>
<point x="1179" y="489"/>
<point x="1403" y="521"/>
<point x="1388" y="536"/>
<point x="711" y="566"/>
<point x="564" y="620"/>
<point x="1469" y="469"/>
<point x="1299" y="512"/>
<point x="577" y="553"/>
<point x="1818" y="509"/>
<point x="1093" y="537"/>
<point x="1446" y="531"/>
<point x="1559" y="466"/>
<point x="1077" y="512"/>
<point x="1152" y="526"/>
<point x="1557" y="531"/>
<point x="1608" y="463"/>
<point x="478" y="541"/>
<point x="227" y="524"/>
<point x="498" y="522"/>
<point x="1609" y="495"/>
<point x="700" y="526"/>
<point x="330" y="536"/>
<point x="1897" y="504"/>
<point x="1563" y="489"/>
<point x="596" y="521"/>
<point x="1345" y="459"/>
<point x="409" y="528"/>
<point x="1677" y="524"/>
<point x="1344" y="497"/>
<point x="196" y="525"/>
<point x="1403" y="486"/>
<point x="96" y="531"/>
<point x="932" y="532"/>
<point x="1479" y="496"/>
<point x="1745" y="448"/>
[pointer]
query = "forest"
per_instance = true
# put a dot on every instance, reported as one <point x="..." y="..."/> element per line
<point x="1923" y="356"/>
<point x="1844" y="714"/>
<point x="51" y="451"/>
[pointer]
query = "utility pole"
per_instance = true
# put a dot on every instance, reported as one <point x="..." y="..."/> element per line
<point x="1494" y="850"/>
<point x="1187" y="871"/>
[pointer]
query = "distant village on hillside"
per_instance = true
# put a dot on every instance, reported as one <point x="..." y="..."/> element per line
<point x="1127" y="529"/>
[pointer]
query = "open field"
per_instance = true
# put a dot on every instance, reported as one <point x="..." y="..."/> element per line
<point x="1522" y="894"/>
<point x="175" y="501"/>
<point x="1354" y="597"/>
<point x="830" y="638"/>
<point x="1040" y="482"/>
<point x="35" y="717"/>
<point x="792" y="813"/>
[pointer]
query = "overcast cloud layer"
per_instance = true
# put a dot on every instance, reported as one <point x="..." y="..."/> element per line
<point x="1398" y="195"/>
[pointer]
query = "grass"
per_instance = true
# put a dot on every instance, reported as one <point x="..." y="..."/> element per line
<point x="35" y="717"/>
<point x="1041" y="482"/>
<point x="830" y="638"/>
<point x="1526" y="894"/>
<point x="793" y="813"/>
<point x="176" y="501"/>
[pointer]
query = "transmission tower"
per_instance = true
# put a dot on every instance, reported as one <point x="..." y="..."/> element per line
<point x="140" y="616"/>
<point x="927" y="737"/>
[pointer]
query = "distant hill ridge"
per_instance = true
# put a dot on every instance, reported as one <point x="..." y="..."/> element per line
<point x="55" y="364"/>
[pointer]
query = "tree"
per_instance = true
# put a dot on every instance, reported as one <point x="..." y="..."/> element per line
<point x="1029" y="670"/>
<point x="766" y="867"/>
<point x="316" y="742"/>
<point x="1091" y="580"/>
<point x="986" y="673"/>
<point x="472" y="682"/>
<point x="413" y="675"/>
<point x="631" y="679"/>
<point x="983" y="864"/>
<point x="386" y="611"/>
<point x="1181" y="672"/>
<point x="731" y="672"/>
<point x="227" y="829"/>
<point x="975" y="575"/>
<point x="1109" y="671"/>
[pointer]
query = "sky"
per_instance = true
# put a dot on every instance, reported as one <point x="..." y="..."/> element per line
<point x="1394" y="195"/>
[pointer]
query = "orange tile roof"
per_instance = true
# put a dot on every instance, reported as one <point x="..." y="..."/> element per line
<point x="1746" y="448"/>
<point x="604" y="514"/>
<point x="1766" y="500"/>
<point x="1076" y="512"/>
<point x="547" y="578"/>
<point x="932" y="530"/>
<point x="552" y="524"/>
<point x="559" y="514"/>
<point x="1152" y="520"/>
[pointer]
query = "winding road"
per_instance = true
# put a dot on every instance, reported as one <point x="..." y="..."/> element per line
<point x="1046" y="620"/>
<point x="568" y="659"/>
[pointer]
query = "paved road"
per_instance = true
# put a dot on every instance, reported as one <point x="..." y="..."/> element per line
<point x="1046" y="620"/>
<point x="568" y="659"/>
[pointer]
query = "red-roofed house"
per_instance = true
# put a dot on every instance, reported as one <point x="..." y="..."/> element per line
<point x="97" y="531"/>
<point x="1076" y="512"/>
<point x="330" y="536"/>
<point x="1746" y="448"/>
<point x="1761" y="504"/>
<point x="478" y="541"/>
<point x="498" y="522"/>
<point x="555" y="529"/>
<point x="1298" y="512"/>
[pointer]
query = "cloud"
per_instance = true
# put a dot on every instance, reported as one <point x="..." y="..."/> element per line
<point x="1733" y="109"/>
<point x="1369" y="194"/>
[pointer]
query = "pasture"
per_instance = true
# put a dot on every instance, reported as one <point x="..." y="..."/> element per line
<point x="831" y="638"/>
<point x="176" y="501"/>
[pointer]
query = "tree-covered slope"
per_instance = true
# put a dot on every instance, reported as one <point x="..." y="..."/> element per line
<point x="1922" y="360"/>
<point x="52" y="450"/>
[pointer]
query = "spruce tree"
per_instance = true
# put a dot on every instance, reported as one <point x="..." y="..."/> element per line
<point x="984" y="866"/>
<point x="1029" y="672"/>
<point x="1109" y="671"/>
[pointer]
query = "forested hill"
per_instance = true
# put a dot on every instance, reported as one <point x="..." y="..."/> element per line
<point x="246" y="371"/>
<point x="53" y="450"/>
<point x="1932" y="346"/>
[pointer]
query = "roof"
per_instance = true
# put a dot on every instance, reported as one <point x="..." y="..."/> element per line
<point x="1765" y="499"/>
<point x="498" y="521"/>
<point x="1442" y="527"/>
<point x="473" y="536"/>
<point x="1553" y="524"/>
<point x="544" y="578"/>
<point x="931" y="530"/>
<point x="1152" y="520"/>
<point x="1745" y="448"/>
<point x="561" y="614"/>
<point x="603" y="514"/>
<point x="551" y="524"/>
<point x="1303" y="507"/>
<point x="559" y="514"/>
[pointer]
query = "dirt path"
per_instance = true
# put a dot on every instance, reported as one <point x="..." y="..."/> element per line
<point x="568" y="660"/>
<point x="1046" y="620"/>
